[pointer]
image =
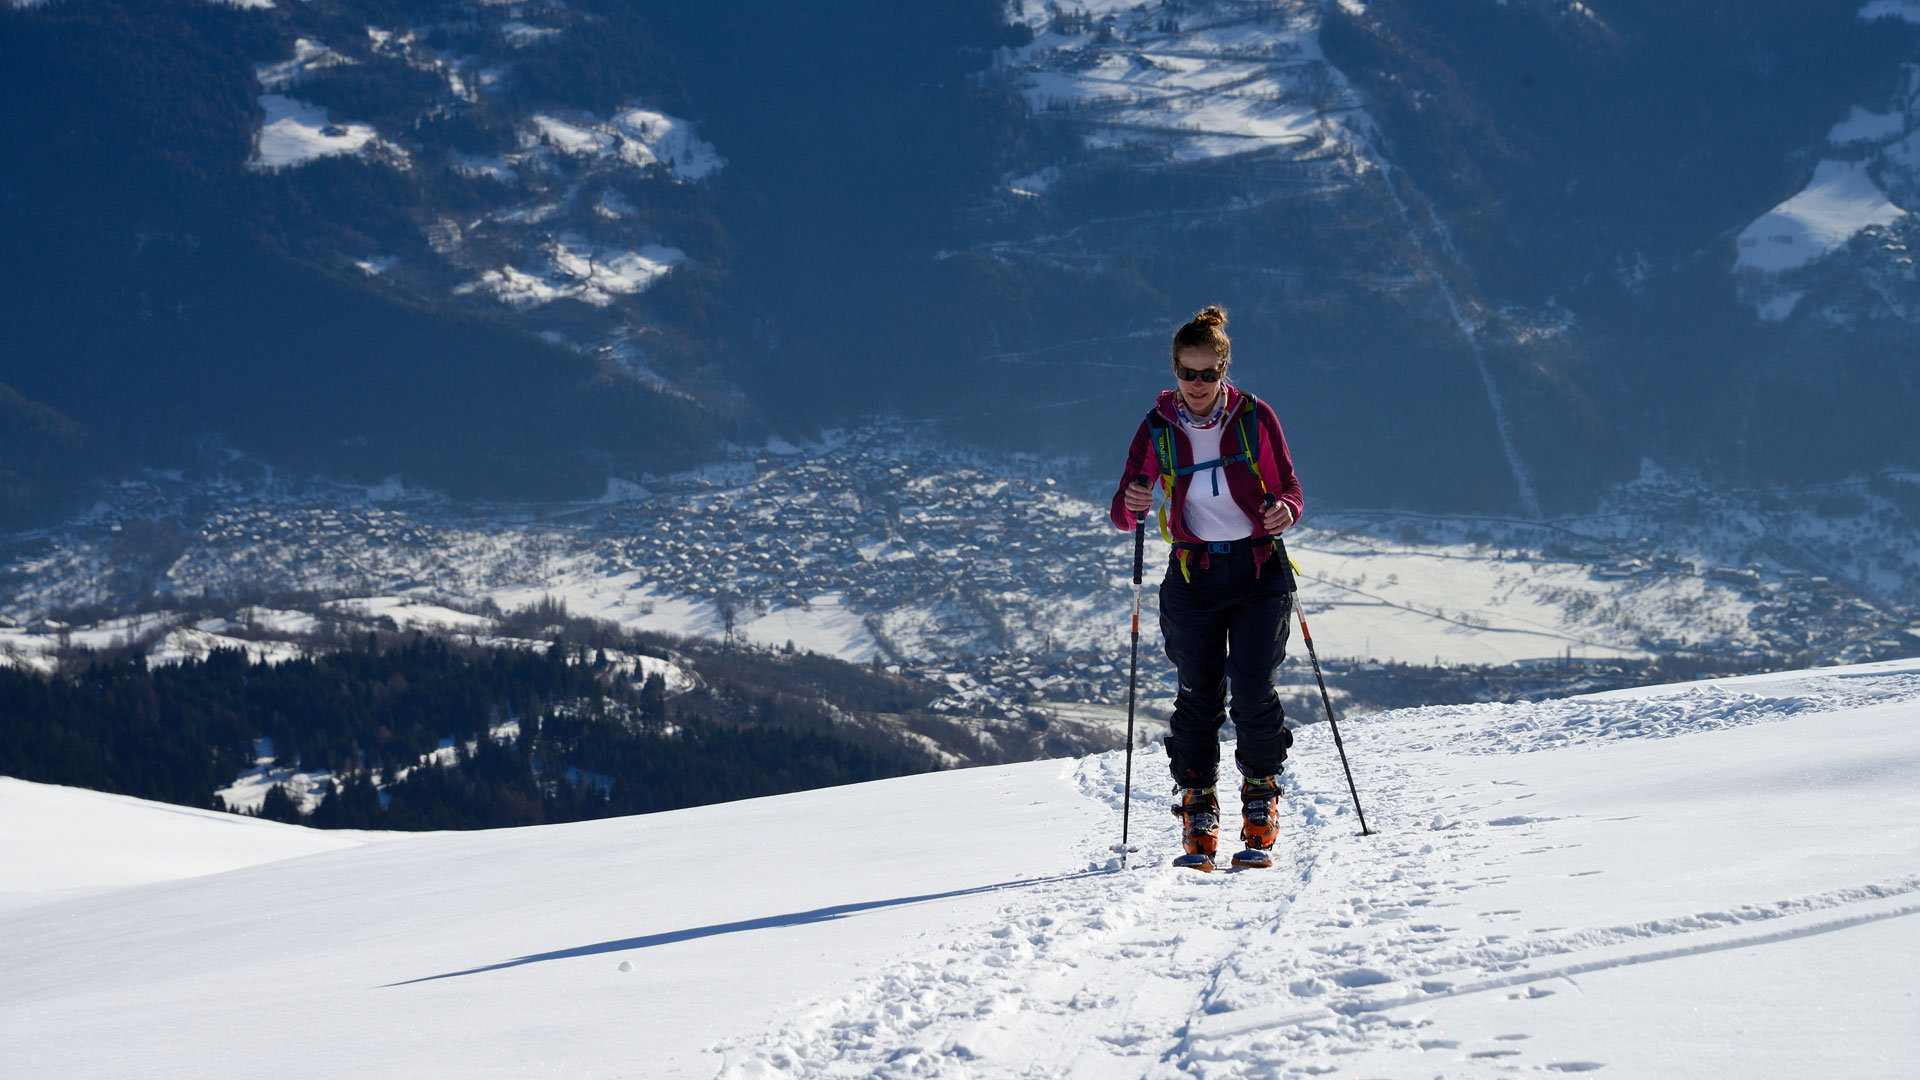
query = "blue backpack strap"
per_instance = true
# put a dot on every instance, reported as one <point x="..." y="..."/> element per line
<point x="1247" y="418"/>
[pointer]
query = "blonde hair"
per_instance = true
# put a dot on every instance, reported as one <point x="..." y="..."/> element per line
<point x="1207" y="330"/>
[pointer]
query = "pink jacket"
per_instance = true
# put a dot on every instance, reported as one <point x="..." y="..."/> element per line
<point x="1276" y="467"/>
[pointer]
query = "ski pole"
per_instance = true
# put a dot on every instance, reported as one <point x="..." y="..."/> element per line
<point x="1293" y="597"/>
<point x="1328" y="702"/>
<point x="1133" y="672"/>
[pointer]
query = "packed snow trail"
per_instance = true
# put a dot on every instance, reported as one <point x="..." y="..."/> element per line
<point x="1714" y="879"/>
<point x="1348" y="948"/>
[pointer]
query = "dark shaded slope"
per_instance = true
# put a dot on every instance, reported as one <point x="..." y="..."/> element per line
<point x="1597" y="160"/>
<point x="158" y="292"/>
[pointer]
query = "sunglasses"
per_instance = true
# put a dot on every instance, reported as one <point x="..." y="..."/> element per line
<point x="1188" y="374"/>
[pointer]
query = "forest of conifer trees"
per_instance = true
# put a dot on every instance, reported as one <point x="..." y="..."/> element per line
<point x="417" y="732"/>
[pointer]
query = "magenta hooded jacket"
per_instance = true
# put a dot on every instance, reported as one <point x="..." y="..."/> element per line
<point x="1276" y="467"/>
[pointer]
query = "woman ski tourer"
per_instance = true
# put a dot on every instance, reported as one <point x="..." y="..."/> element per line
<point x="1221" y="462"/>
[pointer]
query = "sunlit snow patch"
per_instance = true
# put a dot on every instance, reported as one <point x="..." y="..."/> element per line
<point x="92" y="840"/>
<point x="192" y="643"/>
<point x="1034" y="184"/>
<point x="1891" y="9"/>
<point x="1840" y="201"/>
<point x="1863" y="126"/>
<point x="671" y="140"/>
<point x="493" y="167"/>
<point x="579" y="272"/>
<point x="521" y="34"/>
<point x="823" y="625"/>
<point x="638" y="137"/>
<point x="1201" y="88"/>
<point x="1779" y="305"/>
<point x="308" y="56"/>
<point x="612" y="272"/>
<point x="294" y="132"/>
<point x="613" y="205"/>
<point x="27" y="652"/>
<point x="409" y="614"/>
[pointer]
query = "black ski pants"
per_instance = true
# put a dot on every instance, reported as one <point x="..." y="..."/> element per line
<point x="1226" y="630"/>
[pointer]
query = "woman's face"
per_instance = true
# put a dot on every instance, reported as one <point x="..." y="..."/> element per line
<point x="1199" y="395"/>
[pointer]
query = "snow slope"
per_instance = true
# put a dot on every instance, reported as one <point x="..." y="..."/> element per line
<point x="1891" y="9"/>
<point x="60" y="839"/>
<point x="1202" y="83"/>
<point x="1707" y="880"/>
<point x="1838" y="202"/>
<point x="294" y="132"/>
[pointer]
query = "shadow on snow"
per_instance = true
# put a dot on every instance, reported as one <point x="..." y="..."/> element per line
<point x="768" y="922"/>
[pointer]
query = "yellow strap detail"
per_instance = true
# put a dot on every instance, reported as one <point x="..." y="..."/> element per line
<point x="1253" y="462"/>
<point x="1163" y="442"/>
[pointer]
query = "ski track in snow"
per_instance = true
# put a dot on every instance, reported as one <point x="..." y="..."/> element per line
<point x="1035" y="985"/>
<point x="1290" y="972"/>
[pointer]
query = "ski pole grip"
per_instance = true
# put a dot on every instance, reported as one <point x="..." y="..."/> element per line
<point x="1139" y="538"/>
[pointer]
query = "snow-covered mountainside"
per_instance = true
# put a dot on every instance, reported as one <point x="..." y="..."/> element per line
<point x="1854" y="210"/>
<point x="1716" y="878"/>
<point x="1512" y="200"/>
<point x="1492" y="256"/>
<point x="560" y="216"/>
<point x="1210" y="81"/>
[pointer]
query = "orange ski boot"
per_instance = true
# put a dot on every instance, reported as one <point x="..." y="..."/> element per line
<point x="1199" y="814"/>
<point x="1259" y="821"/>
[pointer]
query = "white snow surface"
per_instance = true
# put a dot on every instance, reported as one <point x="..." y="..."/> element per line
<point x="411" y="614"/>
<point x="294" y="132"/>
<point x="60" y="839"/>
<point x="1221" y="81"/>
<point x="1838" y="202"/>
<point x="193" y="643"/>
<point x="823" y="624"/>
<point x="474" y="165"/>
<point x="1865" y="126"/>
<point x="1896" y="9"/>
<point x="637" y="136"/>
<point x="576" y="270"/>
<point x="1716" y="879"/>
<point x="308" y="56"/>
<point x="521" y="34"/>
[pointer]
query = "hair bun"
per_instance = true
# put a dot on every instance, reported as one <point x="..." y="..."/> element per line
<point x="1206" y="331"/>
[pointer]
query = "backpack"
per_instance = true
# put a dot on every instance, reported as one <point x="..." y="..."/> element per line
<point x="1246" y="423"/>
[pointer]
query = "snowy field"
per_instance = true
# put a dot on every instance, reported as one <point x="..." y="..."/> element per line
<point x="1838" y="202"/>
<point x="1202" y="82"/>
<point x="1717" y="879"/>
<point x="942" y="559"/>
<point x="1879" y="152"/>
<point x="294" y="132"/>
